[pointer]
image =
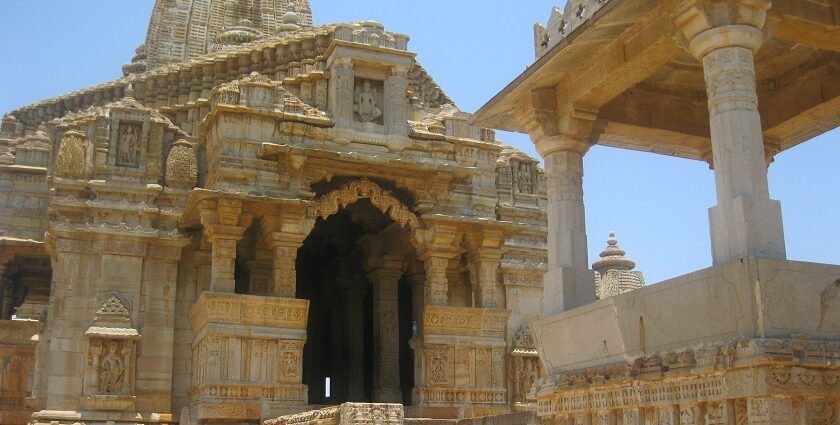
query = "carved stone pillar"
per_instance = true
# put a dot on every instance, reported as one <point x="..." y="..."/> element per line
<point x="568" y="282"/>
<point x="438" y="247"/>
<point x="386" y="341"/>
<point x="223" y="242"/>
<point x="284" y="234"/>
<point x="487" y="292"/>
<point x="436" y="287"/>
<point x="354" y="299"/>
<point x="285" y="254"/>
<point x="745" y="222"/>
<point x="224" y="224"/>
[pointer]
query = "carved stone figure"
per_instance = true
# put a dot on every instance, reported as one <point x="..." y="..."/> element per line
<point x="128" y="144"/>
<point x="524" y="177"/>
<point x="365" y="105"/>
<point x="112" y="369"/>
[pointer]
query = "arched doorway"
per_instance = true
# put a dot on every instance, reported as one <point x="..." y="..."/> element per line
<point x="352" y="268"/>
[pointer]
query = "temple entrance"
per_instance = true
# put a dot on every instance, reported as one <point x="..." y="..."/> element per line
<point x="352" y="269"/>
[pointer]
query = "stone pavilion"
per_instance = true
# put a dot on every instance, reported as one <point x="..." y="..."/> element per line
<point x="754" y="339"/>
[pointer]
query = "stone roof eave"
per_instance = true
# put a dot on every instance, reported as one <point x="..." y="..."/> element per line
<point x="498" y="112"/>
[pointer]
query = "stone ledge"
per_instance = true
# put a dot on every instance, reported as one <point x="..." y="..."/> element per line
<point x="234" y="309"/>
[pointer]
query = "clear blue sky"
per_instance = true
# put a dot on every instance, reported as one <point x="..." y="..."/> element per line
<point x="657" y="205"/>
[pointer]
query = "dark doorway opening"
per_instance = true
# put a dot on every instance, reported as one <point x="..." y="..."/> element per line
<point x="338" y="358"/>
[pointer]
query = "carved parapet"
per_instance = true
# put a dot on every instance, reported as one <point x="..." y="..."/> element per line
<point x="462" y="351"/>
<point x="231" y="331"/>
<point x="752" y="381"/>
<point x="232" y="309"/>
<point x="346" y="414"/>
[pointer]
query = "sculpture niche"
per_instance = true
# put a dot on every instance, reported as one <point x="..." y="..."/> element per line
<point x="366" y="102"/>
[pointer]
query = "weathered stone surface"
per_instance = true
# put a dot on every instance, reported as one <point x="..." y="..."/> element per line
<point x="258" y="206"/>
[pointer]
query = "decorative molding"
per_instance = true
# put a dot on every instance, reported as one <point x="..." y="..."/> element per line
<point x="462" y="321"/>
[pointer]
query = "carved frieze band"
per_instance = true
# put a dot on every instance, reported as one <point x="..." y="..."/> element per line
<point x="439" y="320"/>
<point x="249" y="310"/>
<point x="744" y="383"/>
<point x="132" y="248"/>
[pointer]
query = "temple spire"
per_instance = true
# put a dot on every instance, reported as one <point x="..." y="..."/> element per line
<point x="187" y="29"/>
<point x="614" y="272"/>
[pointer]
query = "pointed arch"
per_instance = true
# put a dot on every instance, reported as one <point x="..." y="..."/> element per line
<point x="363" y="188"/>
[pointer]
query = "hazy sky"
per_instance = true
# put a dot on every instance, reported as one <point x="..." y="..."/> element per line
<point x="656" y="204"/>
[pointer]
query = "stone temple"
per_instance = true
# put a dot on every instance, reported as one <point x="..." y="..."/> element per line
<point x="271" y="222"/>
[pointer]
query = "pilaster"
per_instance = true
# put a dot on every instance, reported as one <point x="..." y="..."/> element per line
<point x="396" y="104"/>
<point x="342" y="81"/>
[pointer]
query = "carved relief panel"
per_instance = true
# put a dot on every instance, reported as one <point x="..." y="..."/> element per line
<point x="111" y="363"/>
<point x="525" y="368"/>
<point x="129" y="141"/>
<point x="71" y="156"/>
<point x="458" y="373"/>
<point x="111" y="359"/>
<point x="524" y="177"/>
<point x="368" y="101"/>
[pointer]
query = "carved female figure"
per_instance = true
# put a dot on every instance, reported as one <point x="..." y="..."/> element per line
<point x="111" y="370"/>
<point x="128" y="145"/>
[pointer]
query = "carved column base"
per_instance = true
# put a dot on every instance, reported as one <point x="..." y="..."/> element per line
<point x="747" y="227"/>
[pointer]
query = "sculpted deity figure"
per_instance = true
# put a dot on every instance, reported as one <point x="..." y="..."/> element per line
<point x="111" y="369"/>
<point x="127" y="147"/>
<point x="525" y="185"/>
<point x="365" y="103"/>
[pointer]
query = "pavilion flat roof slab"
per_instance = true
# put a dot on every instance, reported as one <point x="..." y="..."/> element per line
<point x="653" y="99"/>
<point x="605" y="25"/>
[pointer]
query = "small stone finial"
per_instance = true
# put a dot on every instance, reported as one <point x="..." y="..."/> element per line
<point x="614" y="272"/>
<point x="612" y="258"/>
<point x="290" y="20"/>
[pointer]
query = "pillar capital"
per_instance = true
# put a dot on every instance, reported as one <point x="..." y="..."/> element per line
<point x="695" y="17"/>
<point x="745" y="36"/>
<point x="562" y="143"/>
<point x="708" y="27"/>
